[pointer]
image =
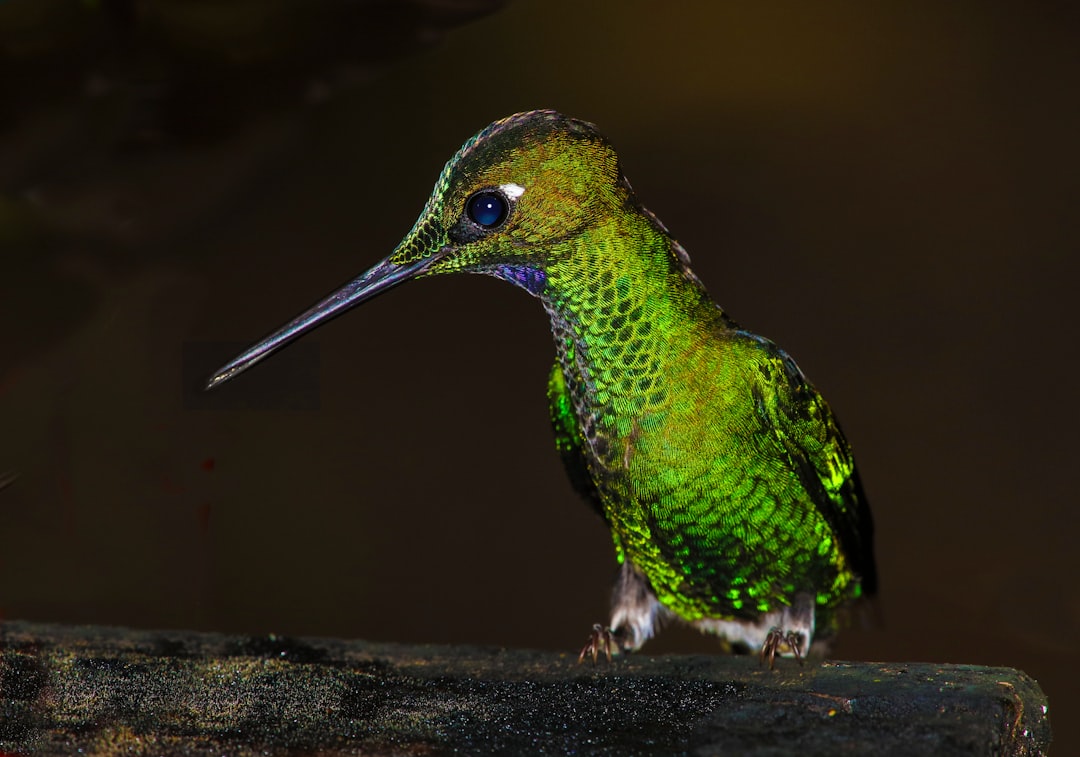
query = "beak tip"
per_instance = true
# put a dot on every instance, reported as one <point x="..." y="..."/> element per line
<point x="217" y="379"/>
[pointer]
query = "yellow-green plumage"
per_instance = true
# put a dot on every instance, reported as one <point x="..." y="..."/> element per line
<point x="729" y="489"/>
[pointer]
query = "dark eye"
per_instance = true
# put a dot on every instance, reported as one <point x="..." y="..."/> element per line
<point x="487" y="209"/>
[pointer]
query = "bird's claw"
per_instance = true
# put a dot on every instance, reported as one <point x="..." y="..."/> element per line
<point x="600" y="640"/>
<point x="776" y="640"/>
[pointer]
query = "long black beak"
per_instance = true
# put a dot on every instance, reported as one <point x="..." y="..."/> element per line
<point x="381" y="277"/>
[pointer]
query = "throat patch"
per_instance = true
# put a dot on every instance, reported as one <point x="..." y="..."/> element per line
<point x="532" y="280"/>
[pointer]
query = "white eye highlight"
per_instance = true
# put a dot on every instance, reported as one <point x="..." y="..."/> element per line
<point x="513" y="191"/>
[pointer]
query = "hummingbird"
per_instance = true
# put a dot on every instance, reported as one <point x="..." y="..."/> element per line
<point x="730" y="491"/>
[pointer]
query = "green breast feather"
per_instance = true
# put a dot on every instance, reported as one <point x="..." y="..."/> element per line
<point x="753" y="519"/>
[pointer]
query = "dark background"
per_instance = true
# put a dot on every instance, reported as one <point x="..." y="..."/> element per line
<point x="889" y="192"/>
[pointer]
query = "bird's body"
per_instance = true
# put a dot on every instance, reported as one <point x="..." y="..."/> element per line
<point x="729" y="489"/>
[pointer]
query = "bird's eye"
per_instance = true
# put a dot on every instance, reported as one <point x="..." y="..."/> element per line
<point x="487" y="209"/>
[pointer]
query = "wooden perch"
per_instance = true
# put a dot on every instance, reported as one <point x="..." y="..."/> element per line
<point x="117" y="691"/>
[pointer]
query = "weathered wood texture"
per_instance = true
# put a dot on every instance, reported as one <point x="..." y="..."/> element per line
<point x="111" y="691"/>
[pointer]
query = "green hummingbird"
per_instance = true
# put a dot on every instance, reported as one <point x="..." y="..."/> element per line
<point x="730" y="491"/>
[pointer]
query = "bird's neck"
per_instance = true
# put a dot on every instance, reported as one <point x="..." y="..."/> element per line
<point x="628" y="316"/>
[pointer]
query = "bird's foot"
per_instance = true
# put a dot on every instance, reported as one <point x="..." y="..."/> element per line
<point x="778" y="641"/>
<point x="600" y="640"/>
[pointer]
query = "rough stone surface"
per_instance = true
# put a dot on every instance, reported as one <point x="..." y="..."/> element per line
<point x="110" y="691"/>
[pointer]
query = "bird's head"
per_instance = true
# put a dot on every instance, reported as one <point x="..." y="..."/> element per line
<point x="513" y="198"/>
<point x="513" y="194"/>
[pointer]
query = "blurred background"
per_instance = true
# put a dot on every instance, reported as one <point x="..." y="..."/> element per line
<point x="887" y="191"/>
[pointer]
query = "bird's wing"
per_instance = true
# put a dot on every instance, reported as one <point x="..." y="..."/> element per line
<point x="809" y="435"/>
<point x="568" y="439"/>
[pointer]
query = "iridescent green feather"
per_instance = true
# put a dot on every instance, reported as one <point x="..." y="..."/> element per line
<point x="568" y="440"/>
